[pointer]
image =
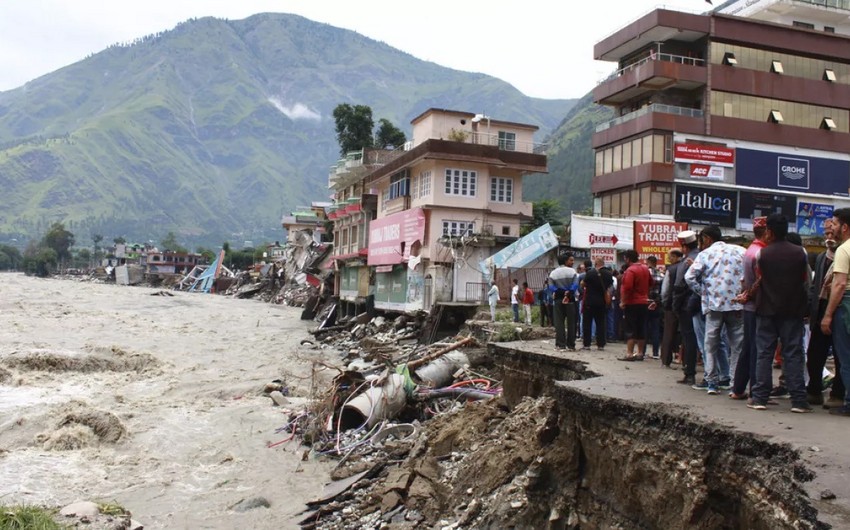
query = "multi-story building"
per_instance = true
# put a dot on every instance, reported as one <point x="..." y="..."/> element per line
<point x="727" y="115"/>
<point x="417" y="222"/>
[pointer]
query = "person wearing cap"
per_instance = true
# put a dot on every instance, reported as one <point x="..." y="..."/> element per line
<point x="746" y="366"/>
<point x="681" y="294"/>
<point x="781" y="299"/>
<point x="716" y="275"/>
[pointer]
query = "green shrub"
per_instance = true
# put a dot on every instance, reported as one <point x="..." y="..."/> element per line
<point x="27" y="518"/>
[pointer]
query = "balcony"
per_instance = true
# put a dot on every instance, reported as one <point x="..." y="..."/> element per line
<point x="504" y="144"/>
<point x="651" y="109"/>
<point x="658" y="71"/>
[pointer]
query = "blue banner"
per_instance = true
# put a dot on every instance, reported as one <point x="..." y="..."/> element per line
<point x="792" y="172"/>
<point x="522" y="251"/>
<point x="810" y="226"/>
<point x="813" y="209"/>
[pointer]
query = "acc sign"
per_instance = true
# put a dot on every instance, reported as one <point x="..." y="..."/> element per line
<point x="792" y="173"/>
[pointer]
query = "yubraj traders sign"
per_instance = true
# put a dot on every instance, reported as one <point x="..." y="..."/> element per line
<point x="391" y="237"/>
<point x="656" y="238"/>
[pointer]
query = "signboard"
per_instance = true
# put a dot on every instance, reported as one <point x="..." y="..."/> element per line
<point x="657" y="238"/>
<point x="608" y="255"/>
<point x="391" y="237"/>
<point x="706" y="206"/>
<point x="792" y="172"/>
<point x="522" y="251"/>
<point x="587" y="231"/>
<point x="811" y="216"/>
<point x="703" y="172"/>
<point x="756" y="204"/>
<point x="712" y="155"/>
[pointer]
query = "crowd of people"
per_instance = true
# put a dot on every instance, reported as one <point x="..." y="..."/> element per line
<point x="739" y="313"/>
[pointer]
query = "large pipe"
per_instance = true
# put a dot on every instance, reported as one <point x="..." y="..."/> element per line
<point x="376" y="404"/>
<point x="441" y="371"/>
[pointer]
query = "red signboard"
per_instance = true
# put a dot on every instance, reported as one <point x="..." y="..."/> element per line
<point x="657" y="238"/>
<point x="705" y="154"/>
<point x="391" y="237"/>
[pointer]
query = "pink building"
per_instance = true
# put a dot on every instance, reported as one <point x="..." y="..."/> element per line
<point x="428" y="214"/>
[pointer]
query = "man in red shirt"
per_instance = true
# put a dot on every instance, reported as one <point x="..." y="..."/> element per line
<point x="634" y="300"/>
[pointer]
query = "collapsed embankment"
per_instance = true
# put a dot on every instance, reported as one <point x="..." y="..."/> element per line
<point x="551" y="455"/>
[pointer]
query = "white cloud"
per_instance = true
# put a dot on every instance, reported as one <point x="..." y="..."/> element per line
<point x="297" y="111"/>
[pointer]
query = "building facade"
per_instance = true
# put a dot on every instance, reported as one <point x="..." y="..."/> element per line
<point x="727" y="115"/>
<point x="413" y="225"/>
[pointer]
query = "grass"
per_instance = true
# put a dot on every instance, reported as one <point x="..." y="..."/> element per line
<point x="27" y="518"/>
<point x="111" y="508"/>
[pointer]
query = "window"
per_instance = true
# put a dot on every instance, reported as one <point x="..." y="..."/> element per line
<point x="414" y="188"/>
<point x="425" y="184"/>
<point x="829" y="29"/>
<point x="775" y="117"/>
<point x="506" y="230"/>
<point x="729" y="59"/>
<point x="829" y="75"/>
<point x="461" y="182"/>
<point x="501" y="189"/>
<point x="600" y="158"/>
<point x="828" y="123"/>
<point x="804" y="25"/>
<point x="776" y="67"/>
<point x="399" y="185"/>
<point x="507" y="141"/>
<point x="458" y="228"/>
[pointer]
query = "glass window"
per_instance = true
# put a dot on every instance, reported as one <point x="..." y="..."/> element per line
<point x="634" y="208"/>
<point x="618" y="158"/>
<point x="606" y="205"/>
<point x="644" y="200"/>
<point x="658" y="148"/>
<point x="458" y="228"/>
<point x="608" y="159"/>
<point x="461" y="182"/>
<point x="600" y="158"/>
<point x="501" y="189"/>
<point x="627" y="155"/>
<point x="647" y="149"/>
<point x="507" y="141"/>
<point x="636" y="152"/>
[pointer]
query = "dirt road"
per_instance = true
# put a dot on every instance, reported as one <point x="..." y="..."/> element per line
<point x="108" y="393"/>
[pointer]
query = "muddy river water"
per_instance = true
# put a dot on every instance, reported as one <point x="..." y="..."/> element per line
<point x="112" y="393"/>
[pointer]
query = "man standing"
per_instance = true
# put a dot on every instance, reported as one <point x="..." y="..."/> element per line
<point x="746" y="368"/>
<point x="544" y="296"/>
<point x="527" y="302"/>
<point x="493" y="299"/>
<point x="781" y="299"/>
<point x="515" y="297"/>
<point x="681" y="294"/>
<point x="654" y="310"/>
<point x="837" y="313"/>
<point x="671" y="340"/>
<point x="563" y="284"/>
<point x="716" y="274"/>
<point x="597" y="282"/>
<point x="820" y="343"/>
<point x="634" y="300"/>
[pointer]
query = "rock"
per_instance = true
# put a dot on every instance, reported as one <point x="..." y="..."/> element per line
<point x="390" y="501"/>
<point x="136" y="525"/>
<point x="517" y="504"/>
<point x="397" y="479"/>
<point x="814" y="449"/>
<point x="278" y="399"/>
<point x="249" y="504"/>
<point x="471" y="513"/>
<point x="827" y="495"/>
<point x="80" y="509"/>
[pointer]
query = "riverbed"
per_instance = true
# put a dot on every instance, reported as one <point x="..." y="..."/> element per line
<point x="128" y="395"/>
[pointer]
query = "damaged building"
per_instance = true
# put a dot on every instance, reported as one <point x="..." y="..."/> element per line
<point x="412" y="226"/>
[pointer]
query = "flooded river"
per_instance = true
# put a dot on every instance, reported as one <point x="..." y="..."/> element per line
<point x="111" y="393"/>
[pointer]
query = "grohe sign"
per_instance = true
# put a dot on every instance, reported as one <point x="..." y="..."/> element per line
<point x="797" y="173"/>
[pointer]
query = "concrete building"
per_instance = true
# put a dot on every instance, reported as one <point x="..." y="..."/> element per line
<point x="412" y="225"/>
<point x="727" y="115"/>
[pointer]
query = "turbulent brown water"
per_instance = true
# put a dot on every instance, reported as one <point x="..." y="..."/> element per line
<point x="108" y="393"/>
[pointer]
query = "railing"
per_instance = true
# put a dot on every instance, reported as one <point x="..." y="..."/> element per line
<point x="504" y="144"/>
<point x="655" y="107"/>
<point x="653" y="56"/>
<point x="835" y="4"/>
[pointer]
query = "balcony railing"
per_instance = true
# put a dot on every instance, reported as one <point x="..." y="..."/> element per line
<point x="505" y="144"/>
<point x="835" y="4"/>
<point x="667" y="57"/>
<point x="655" y="107"/>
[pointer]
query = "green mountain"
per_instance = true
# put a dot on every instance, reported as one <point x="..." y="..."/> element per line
<point x="570" y="159"/>
<point x="214" y="129"/>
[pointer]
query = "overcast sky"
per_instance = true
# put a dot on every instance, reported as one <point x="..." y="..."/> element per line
<point x="543" y="48"/>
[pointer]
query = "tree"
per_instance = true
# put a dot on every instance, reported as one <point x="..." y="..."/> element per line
<point x="354" y="125"/>
<point x="388" y="135"/>
<point x="544" y="211"/>
<point x="59" y="240"/>
<point x="169" y="242"/>
<point x="10" y="258"/>
<point x="119" y="240"/>
<point x="39" y="259"/>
